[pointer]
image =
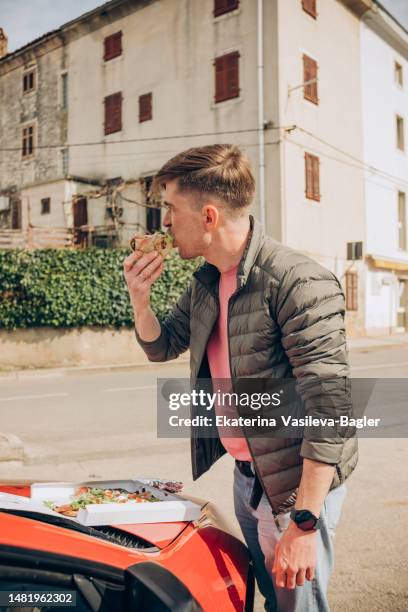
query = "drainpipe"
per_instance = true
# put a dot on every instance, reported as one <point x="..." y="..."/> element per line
<point x="261" y="134"/>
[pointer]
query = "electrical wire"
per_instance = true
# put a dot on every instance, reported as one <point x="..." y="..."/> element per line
<point x="151" y="139"/>
<point x="358" y="165"/>
<point x="353" y="157"/>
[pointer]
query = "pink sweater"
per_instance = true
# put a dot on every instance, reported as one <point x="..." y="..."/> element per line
<point x="218" y="359"/>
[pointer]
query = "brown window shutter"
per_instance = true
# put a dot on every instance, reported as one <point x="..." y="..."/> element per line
<point x="113" y="113"/>
<point x="27" y="141"/>
<point x="231" y="5"/>
<point x="112" y="46"/>
<point x="224" y="6"/>
<point x="312" y="177"/>
<point x="28" y="81"/>
<point x="227" y="77"/>
<point x="352" y="291"/>
<point x="233" y="75"/>
<point x="24" y="151"/>
<point x="314" y="85"/>
<point x="309" y="73"/>
<point x="218" y="7"/>
<point x="117" y="112"/>
<point x="30" y="140"/>
<point x="145" y="107"/>
<point x="309" y="6"/>
<point x="316" y="179"/>
<point x="220" y="80"/>
<point x="306" y="69"/>
<point x="107" y="48"/>
<point x="16" y="217"/>
<point x="308" y="176"/>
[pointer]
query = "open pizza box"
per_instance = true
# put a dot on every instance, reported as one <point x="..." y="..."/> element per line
<point x="169" y="508"/>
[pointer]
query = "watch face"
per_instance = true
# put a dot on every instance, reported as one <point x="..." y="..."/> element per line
<point x="305" y="520"/>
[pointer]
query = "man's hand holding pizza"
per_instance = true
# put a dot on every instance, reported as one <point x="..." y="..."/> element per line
<point x="141" y="269"/>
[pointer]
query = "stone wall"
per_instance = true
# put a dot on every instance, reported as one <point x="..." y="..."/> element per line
<point x="51" y="348"/>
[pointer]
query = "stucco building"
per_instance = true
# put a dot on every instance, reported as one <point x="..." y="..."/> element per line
<point x="384" y="61"/>
<point x="119" y="90"/>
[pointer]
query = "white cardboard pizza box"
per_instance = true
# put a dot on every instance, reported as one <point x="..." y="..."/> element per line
<point x="63" y="490"/>
<point x="126" y="514"/>
<point x="170" y="508"/>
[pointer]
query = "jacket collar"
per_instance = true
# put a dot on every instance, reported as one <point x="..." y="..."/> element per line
<point x="208" y="274"/>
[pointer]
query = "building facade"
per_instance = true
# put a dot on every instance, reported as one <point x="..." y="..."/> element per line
<point x="384" y="60"/>
<point x="116" y="92"/>
<point x="321" y="190"/>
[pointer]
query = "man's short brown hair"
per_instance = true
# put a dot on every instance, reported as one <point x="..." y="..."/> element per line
<point x="220" y="170"/>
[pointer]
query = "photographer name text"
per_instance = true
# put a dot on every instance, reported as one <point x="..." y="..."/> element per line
<point x="286" y="421"/>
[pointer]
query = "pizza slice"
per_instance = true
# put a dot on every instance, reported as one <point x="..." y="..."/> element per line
<point x="146" y="243"/>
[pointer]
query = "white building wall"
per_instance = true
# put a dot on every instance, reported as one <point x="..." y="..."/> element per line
<point x="331" y="130"/>
<point x="31" y="197"/>
<point x="383" y="98"/>
<point x="168" y="48"/>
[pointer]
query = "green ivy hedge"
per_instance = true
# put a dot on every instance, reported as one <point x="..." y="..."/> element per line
<point x="73" y="288"/>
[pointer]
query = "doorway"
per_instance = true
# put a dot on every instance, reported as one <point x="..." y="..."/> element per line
<point x="402" y="305"/>
<point x="80" y="213"/>
<point x="153" y="210"/>
<point x="15" y="208"/>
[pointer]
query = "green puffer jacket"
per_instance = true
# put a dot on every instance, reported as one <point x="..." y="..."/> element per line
<point x="286" y="319"/>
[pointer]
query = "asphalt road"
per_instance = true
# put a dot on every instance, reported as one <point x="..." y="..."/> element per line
<point x="103" y="425"/>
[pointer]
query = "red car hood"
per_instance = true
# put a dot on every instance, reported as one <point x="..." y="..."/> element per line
<point x="158" y="534"/>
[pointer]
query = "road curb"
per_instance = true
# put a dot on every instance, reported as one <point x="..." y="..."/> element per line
<point x="70" y="370"/>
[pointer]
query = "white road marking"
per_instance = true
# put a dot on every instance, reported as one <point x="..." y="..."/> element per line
<point x="115" y="389"/>
<point x="376" y="366"/>
<point x="32" y="397"/>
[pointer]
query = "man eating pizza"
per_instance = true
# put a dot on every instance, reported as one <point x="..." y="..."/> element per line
<point x="256" y="309"/>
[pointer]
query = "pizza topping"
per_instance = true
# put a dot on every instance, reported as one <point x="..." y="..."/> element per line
<point x="85" y="496"/>
<point x="146" y="243"/>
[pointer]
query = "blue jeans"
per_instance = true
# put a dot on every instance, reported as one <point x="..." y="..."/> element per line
<point x="261" y="535"/>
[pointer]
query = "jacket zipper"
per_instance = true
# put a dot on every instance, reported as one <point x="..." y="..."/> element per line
<point x="274" y="514"/>
<point x="193" y="454"/>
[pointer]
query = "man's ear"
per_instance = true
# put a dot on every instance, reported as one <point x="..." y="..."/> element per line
<point x="211" y="216"/>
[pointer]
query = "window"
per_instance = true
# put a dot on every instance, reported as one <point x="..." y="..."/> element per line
<point x="113" y="113"/>
<point x="400" y="133"/>
<point x="65" y="161"/>
<point x="402" y="221"/>
<point x="45" y="206"/>
<point x="64" y="91"/>
<point x="16" y="216"/>
<point x="28" y="141"/>
<point x="112" y="46"/>
<point x="153" y="212"/>
<point x="145" y="107"/>
<point x="309" y="6"/>
<point x="351" y="291"/>
<point x="398" y="74"/>
<point x="224" y="6"/>
<point x="312" y="177"/>
<point x="310" y="79"/>
<point x="227" y="77"/>
<point x="29" y="81"/>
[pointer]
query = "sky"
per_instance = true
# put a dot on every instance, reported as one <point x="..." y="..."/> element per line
<point x="25" y="20"/>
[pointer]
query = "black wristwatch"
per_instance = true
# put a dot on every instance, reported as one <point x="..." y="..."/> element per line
<point x="305" y="520"/>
